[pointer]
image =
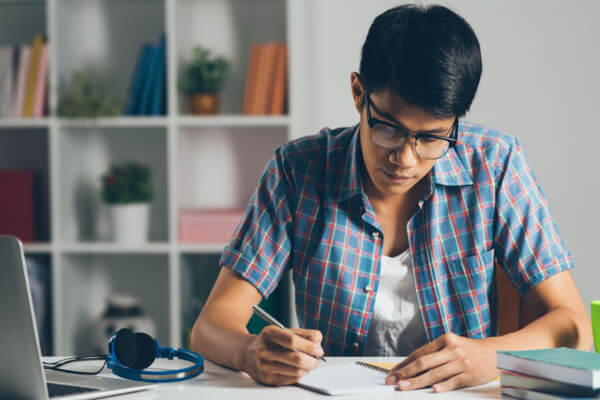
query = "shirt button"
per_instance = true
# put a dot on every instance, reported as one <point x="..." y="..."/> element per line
<point x="375" y="234"/>
<point x="368" y="288"/>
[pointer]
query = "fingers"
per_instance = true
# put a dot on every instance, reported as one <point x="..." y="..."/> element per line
<point x="426" y="362"/>
<point x="309" y="334"/>
<point x="294" y="340"/>
<point x="443" y="376"/>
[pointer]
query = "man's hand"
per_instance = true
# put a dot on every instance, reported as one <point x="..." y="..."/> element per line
<point x="280" y="357"/>
<point x="449" y="362"/>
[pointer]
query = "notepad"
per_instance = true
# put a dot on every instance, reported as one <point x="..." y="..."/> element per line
<point x="352" y="378"/>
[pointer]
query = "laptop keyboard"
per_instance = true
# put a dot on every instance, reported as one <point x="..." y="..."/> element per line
<point x="57" y="390"/>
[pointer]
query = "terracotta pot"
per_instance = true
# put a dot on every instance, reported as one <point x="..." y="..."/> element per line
<point x="204" y="103"/>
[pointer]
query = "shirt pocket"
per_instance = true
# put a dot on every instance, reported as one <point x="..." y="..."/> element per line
<point x="470" y="283"/>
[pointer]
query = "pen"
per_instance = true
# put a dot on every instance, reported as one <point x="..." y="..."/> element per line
<point x="268" y="318"/>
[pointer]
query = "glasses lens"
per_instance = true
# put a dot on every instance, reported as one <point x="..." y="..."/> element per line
<point x="431" y="148"/>
<point x="387" y="136"/>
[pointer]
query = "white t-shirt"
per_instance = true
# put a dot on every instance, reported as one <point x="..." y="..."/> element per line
<point x="396" y="326"/>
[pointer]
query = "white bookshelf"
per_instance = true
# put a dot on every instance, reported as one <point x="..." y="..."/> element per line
<point x="196" y="162"/>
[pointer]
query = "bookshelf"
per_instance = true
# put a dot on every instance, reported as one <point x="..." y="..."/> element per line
<point x="196" y="162"/>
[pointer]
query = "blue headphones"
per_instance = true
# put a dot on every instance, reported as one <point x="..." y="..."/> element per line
<point x="129" y="354"/>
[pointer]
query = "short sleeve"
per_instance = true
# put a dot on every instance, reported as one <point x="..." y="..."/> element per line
<point x="261" y="244"/>
<point x="527" y="243"/>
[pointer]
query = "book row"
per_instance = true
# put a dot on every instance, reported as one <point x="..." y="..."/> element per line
<point x="24" y="79"/>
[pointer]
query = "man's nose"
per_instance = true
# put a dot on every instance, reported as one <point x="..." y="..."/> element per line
<point x="404" y="156"/>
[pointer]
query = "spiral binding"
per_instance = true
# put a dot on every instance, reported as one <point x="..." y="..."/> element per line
<point x="373" y="367"/>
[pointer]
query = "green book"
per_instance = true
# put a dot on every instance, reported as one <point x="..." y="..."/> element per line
<point x="560" y="364"/>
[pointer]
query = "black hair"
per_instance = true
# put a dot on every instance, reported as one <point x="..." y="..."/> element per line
<point x="429" y="56"/>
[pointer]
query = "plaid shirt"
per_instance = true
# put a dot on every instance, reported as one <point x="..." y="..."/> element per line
<point x="482" y="207"/>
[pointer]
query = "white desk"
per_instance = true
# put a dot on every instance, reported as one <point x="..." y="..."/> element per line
<point x="222" y="383"/>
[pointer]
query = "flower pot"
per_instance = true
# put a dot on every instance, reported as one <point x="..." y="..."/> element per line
<point x="130" y="222"/>
<point x="204" y="103"/>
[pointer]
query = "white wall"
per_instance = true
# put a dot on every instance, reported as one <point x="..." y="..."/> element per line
<point x="540" y="83"/>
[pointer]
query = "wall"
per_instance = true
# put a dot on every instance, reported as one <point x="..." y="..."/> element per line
<point x="539" y="83"/>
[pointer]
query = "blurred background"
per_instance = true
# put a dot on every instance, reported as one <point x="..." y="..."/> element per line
<point x="133" y="132"/>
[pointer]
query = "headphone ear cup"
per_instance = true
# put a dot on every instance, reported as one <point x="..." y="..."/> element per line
<point x="146" y="351"/>
<point x="125" y="347"/>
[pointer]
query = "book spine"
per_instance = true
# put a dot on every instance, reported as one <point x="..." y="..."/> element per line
<point x="24" y="58"/>
<point x="32" y="75"/>
<point x="159" y="82"/>
<point x="42" y="81"/>
<point x="144" y="106"/>
<point x="277" y="106"/>
<point x="137" y="81"/>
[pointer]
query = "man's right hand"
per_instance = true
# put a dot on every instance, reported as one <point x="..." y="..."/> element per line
<point x="280" y="357"/>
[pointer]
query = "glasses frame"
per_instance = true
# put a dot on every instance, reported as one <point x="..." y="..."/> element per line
<point x="451" y="139"/>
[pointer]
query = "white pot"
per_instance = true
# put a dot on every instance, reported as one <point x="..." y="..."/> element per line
<point x="130" y="222"/>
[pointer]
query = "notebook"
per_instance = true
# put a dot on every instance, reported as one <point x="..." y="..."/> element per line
<point x="561" y="364"/>
<point x="352" y="378"/>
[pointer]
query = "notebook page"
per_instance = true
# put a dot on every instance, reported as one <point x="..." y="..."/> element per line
<point x="345" y="379"/>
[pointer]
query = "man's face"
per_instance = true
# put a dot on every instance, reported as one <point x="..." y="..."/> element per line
<point x="391" y="172"/>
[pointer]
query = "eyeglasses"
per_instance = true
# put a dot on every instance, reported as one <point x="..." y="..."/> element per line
<point x="392" y="137"/>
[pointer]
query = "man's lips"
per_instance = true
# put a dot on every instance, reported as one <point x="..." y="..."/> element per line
<point x="396" y="176"/>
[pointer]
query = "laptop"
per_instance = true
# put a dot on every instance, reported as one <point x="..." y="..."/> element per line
<point x="21" y="372"/>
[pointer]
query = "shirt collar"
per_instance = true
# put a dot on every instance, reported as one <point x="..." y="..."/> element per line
<point x="450" y="170"/>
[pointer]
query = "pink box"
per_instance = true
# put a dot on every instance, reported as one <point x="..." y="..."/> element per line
<point x="208" y="225"/>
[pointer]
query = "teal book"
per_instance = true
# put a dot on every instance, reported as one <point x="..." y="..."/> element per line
<point x="143" y="107"/>
<point x="560" y="364"/>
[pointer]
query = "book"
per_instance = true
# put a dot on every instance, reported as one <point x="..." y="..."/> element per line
<point x="560" y="364"/>
<point x="278" y="98"/>
<point x="514" y="379"/>
<point x="22" y="69"/>
<point x="264" y="84"/>
<point x="143" y="107"/>
<point x="16" y="204"/>
<point x="526" y="394"/>
<point x="32" y="76"/>
<point x="137" y="83"/>
<point x="6" y="80"/>
<point x="41" y="83"/>
<point x="352" y="378"/>
<point x="251" y="79"/>
<point x="159" y="91"/>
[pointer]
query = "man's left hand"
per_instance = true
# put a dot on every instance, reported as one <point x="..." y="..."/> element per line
<point x="449" y="362"/>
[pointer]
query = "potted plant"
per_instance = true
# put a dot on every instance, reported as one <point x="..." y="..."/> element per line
<point x="127" y="189"/>
<point x="202" y="79"/>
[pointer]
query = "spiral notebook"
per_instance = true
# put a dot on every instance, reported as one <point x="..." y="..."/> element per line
<point x="354" y="378"/>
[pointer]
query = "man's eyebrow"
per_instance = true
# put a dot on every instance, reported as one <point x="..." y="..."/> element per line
<point x="401" y="125"/>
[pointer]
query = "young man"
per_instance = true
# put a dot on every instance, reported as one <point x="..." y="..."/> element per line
<point x="392" y="229"/>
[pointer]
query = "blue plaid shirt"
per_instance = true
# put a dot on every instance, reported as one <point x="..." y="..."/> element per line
<point x="482" y="207"/>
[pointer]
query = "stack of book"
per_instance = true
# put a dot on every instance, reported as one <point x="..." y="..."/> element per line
<point x="559" y="373"/>
<point x="266" y="80"/>
<point x="148" y="88"/>
<point x="24" y="79"/>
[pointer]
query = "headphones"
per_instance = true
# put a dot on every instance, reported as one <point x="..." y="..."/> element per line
<point x="129" y="354"/>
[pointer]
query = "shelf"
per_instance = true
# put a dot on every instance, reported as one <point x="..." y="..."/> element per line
<point x="114" y="248"/>
<point x="234" y="120"/>
<point x="117" y="122"/>
<point x="24" y="122"/>
<point x="37" y="247"/>
<point x="201" y="248"/>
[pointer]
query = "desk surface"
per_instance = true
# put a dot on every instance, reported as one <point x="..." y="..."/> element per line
<point x="222" y="383"/>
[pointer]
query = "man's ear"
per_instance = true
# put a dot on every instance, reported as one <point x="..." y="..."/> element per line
<point x="358" y="91"/>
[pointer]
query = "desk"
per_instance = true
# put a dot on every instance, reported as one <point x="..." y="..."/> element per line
<point x="222" y="383"/>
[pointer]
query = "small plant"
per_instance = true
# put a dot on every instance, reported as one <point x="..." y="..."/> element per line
<point x="127" y="183"/>
<point x="90" y="94"/>
<point x="203" y="74"/>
